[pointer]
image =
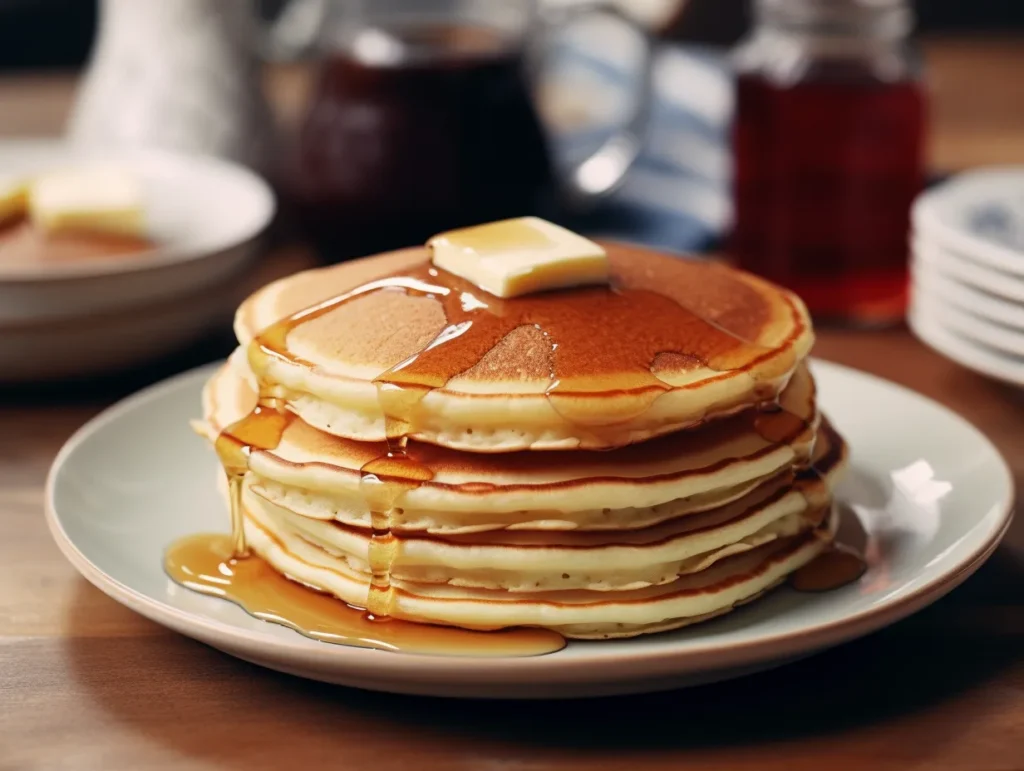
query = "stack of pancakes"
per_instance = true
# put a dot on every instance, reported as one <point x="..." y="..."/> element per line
<point x="555" y="486"/>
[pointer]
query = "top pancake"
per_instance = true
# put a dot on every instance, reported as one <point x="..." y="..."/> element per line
<point x="670" y="343"/>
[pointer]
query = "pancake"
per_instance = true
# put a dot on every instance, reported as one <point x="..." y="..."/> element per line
<point x="318" y="475"/>
<point x="575" y="613"/>
<point x="601" y="461"/>
<point x="671" y="343"/>
<point x="597" y="561"/>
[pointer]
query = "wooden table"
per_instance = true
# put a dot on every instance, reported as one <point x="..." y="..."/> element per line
<point x="87" y="684"/>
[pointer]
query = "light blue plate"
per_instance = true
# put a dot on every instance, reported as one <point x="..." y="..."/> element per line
<point x="931" y="492"/>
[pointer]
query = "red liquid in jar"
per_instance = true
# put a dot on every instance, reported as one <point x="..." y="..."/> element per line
<point x="825" y="176"/>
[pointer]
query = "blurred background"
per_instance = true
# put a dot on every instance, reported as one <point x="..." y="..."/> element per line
<point x="30" y="40"/>
<point x="824" y="144"/>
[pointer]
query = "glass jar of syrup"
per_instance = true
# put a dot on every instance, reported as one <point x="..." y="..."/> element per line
<point x="827" y="140"/>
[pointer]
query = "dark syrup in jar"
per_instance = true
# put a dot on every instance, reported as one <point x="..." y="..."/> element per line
<point x="827" y="139"/>
<point x="825" y="176"/>
<point x="391" y="152"/>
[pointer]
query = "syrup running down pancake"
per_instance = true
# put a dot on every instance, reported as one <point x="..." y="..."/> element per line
<point x="652" y="481"/>
<point x="596" y="461"/>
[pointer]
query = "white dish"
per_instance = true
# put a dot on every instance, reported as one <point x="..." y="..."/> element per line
<point x="932" y="493"/>
<point x="930" y="323"/>
<point x="963" y="269"/>
<point x="979" y="214"/>
<point x="1004" y="339"/>
<point x="930" y="282"/>
<point x="205" y="213"/>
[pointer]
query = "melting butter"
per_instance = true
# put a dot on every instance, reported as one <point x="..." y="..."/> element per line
<point x="519" y="256"/>
<point x="101" y="200"/>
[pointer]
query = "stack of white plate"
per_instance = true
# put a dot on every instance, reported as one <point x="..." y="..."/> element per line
<point x="967" y="299"/>
<point x="101" y="315"/>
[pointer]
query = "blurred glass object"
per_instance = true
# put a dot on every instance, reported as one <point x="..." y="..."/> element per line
<point x="176" y="74"/>
<point x="422" y="118"/>
<point x="653" y="14"/>
<point x="828" y="141"/>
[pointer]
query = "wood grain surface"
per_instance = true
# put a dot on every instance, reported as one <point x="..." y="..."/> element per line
<point x="87" y="684"/>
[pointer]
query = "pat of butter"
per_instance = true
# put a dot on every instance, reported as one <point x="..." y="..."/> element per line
<point x="519" y="256"/>
<point x="13" y="198"/>
<point x="101" y="200"/>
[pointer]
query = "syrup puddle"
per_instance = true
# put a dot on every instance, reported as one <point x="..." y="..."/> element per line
<point x="835" y="567"/>
<point x="205" y="563"/>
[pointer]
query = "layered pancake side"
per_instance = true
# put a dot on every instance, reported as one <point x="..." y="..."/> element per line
<point x="616" y="573"/>
<point x="319" y="474"/>
<point x="576" y="613"/>
<point x="597" y="561"/>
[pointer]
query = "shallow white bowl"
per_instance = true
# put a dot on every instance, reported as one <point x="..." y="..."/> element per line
<point x="931" y="492"/>
<point x="205" y="213"/>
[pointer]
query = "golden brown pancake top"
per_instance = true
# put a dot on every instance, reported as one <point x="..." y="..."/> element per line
<point x="662" y="315"/>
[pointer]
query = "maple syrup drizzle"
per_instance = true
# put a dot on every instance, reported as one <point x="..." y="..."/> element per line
<point x="206" y="563"/>
<point x="586" y="358"/>
<point x="261" y="429"/>
<point x="835" y="567"/>
<point x="383" y="481"/>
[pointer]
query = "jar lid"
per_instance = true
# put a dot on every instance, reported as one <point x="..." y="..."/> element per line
<point x="877" y="18"/>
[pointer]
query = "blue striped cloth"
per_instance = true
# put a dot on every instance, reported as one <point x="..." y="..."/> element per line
<point x="677" y="194"/>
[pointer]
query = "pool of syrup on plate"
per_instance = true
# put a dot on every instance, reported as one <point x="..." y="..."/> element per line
<point x="579" y="357"/>
<point x="209" y="564"/>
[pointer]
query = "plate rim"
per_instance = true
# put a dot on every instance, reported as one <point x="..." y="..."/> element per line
<point x="419" y="667"/>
